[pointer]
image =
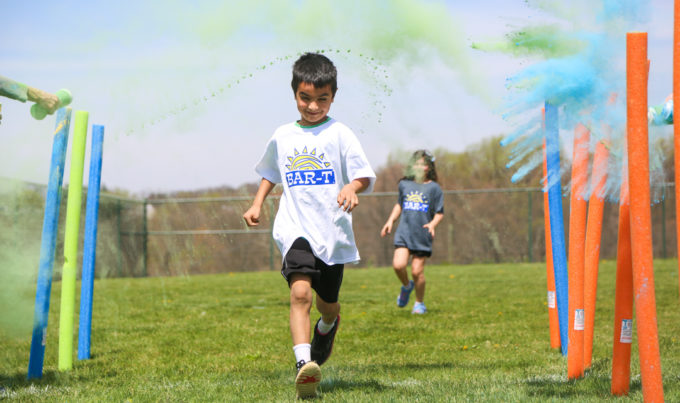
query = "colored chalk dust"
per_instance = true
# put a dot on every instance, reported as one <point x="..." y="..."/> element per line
<point x="578" y="71"/>
<point x="377" y="71"/>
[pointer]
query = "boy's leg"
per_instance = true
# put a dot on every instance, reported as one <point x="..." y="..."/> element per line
<point x="325" y="330"/>
<point x="309" y="373"/>
<point x="418" y="272"/>
<point x="298" y="270"/>
<point x="327" y="293"/>
<point x="329" y="311"/>
<point x="300" y="305"/>
<point x="399" y="262"/>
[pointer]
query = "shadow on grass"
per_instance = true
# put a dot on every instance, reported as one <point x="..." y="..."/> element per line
<point x="18" y="380"/>
<point x="416" y="366"/>
<point x="426" y="366"/>
<point x="332" y="384"/>
<point x="595" y="383"/>
<point x="336" y="383"/>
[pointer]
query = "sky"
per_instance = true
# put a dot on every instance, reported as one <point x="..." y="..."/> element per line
<point x="190" y="92"/>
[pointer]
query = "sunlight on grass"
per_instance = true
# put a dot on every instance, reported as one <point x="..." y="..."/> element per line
<point x="226" y="338"/>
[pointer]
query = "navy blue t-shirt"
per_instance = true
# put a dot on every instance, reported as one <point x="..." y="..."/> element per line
<point x="419" y="203"/>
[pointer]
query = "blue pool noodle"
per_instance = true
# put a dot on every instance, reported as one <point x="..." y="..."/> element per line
<point x="48" y="244"/>
<point x="90" y="246"/>
<point x="552" y="146"/>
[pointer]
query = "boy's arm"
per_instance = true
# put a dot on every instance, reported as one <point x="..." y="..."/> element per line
<point x="252" y="216"/>
<point x="347" y="198"/>
<point x="387" y="228"/>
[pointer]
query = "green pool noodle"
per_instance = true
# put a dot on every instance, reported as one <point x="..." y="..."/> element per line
<point x="70" y="270"/>
<point x="65" y="98"/>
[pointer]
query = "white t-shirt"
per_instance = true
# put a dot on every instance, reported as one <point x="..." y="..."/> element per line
<point x="313" y="164"/>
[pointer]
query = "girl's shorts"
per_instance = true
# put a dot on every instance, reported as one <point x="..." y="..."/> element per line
<point x="415" y="252"/>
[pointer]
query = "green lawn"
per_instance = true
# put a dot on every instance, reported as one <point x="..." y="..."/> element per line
<point x="226" y="338"/>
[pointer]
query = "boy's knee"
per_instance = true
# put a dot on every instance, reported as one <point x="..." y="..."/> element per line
<point x="301" y="299"/>
<point x="300" y="293"/>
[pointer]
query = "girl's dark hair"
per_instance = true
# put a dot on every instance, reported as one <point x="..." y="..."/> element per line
<point x="429" y="160"/>
<point x="316" y="69"/>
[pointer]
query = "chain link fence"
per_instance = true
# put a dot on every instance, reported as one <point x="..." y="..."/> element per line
<point x="186" y="236"/>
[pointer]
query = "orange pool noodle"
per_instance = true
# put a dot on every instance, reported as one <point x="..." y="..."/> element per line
<point x="640" y="216"/>
<point x="623" y="300"/>
<point x="577" y="244"/>
<point x="592" y="254"/>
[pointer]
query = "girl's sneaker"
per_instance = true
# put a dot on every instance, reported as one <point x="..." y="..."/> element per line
<point x="307" y="379"/>
<point x="404" y="295"/>
<point x="419" y="308"/>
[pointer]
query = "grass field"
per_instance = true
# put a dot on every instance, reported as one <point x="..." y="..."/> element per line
<point x="226" y="338"/>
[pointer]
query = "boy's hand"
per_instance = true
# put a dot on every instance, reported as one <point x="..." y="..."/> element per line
<point x="430" y="228"/>
<point x="348" y="199"/>
<point x="386" y="229"/>
<point x="252" y="216"/>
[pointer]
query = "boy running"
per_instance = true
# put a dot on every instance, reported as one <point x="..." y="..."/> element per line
<point x="322" y="168"/>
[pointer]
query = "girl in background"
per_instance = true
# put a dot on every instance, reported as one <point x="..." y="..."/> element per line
<point x="421" y="206"/>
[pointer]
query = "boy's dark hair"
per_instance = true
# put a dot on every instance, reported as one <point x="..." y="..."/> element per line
<point x="428" y="158"/>
<point x="315" y="69"/>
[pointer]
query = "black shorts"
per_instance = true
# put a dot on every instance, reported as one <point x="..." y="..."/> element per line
<point x="326" y="280"/>
<point x="414" y="252"/>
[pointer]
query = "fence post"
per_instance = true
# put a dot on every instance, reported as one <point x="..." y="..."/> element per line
<point x="119" y="209"/>
<point x="271" y="234"/>
<point x="663" y="222"/>
<point x="145" y="236"/>
<point x="530" y="224"/>
<point x="449" y="247"/>
<point x="15" y="221"/>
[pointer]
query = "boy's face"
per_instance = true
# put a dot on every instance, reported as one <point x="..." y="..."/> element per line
<point x="313" y="103"/>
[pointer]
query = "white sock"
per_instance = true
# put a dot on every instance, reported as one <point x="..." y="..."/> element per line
<point x="303" y="352"/>
<point x="324" y="327"/>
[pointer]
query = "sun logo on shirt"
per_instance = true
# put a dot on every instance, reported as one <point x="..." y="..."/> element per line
<point x="414" y="196"/>
<point x="307" y="168"/>
<point x="415" y="201"/>
<point x="306" y="161"/>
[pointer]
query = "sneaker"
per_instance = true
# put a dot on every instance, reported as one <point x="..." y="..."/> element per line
<point x="419" y="308"/>
<point x="322" y="344"/>
<point x="307" y="379"/>
<point x="404" y="295"/>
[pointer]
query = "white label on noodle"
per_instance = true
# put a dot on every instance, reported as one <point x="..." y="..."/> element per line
<point x="626" y="331"/>
<point x="578" y="319"/>
<point x="551" y="299"/>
